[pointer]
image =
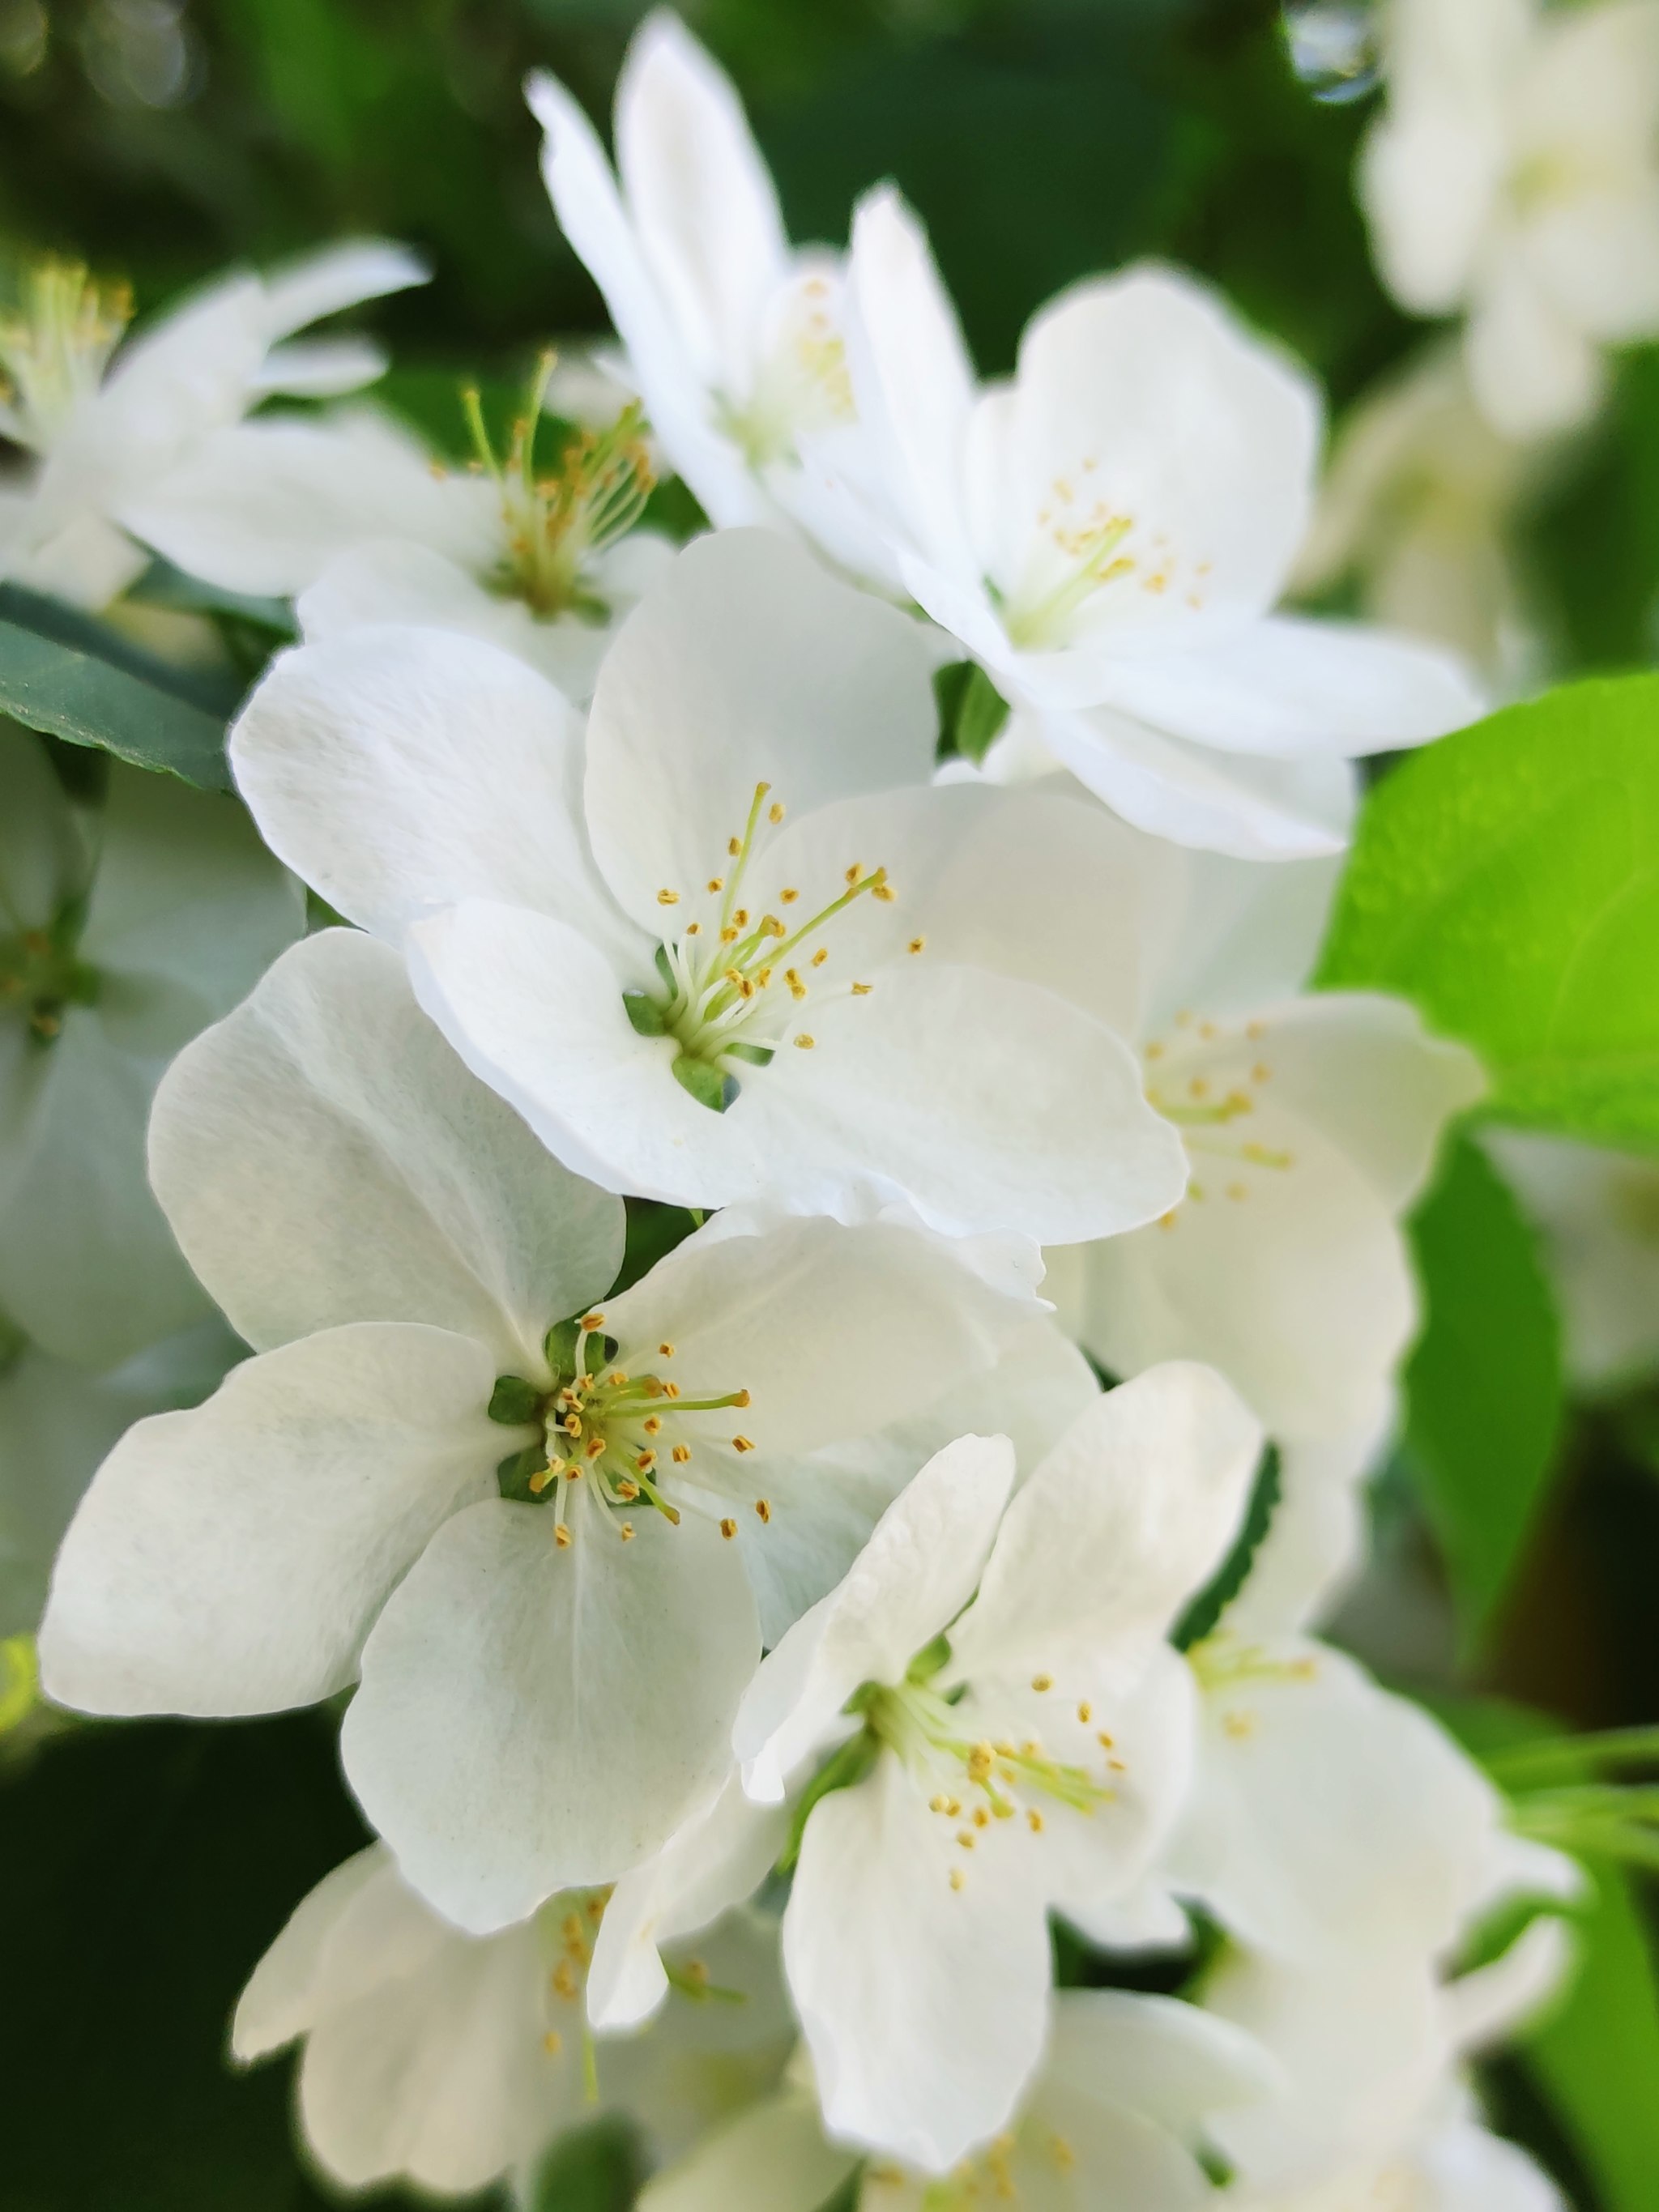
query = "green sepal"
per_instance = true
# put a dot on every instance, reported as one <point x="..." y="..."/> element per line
<point x="664" y="967"/>
<point x="971" y="710"/>
<point x="929" y="1660"/>
<point x="1203" y="1614"/>
<point x="644" y="1012"/>
<point x="707" y="1085"/>
<point x="842" y="1770"/>
<point x="514" y="1472"/>
<point x="559" y="1349"/>
<point x="757" y="1055"/>
<point x="513" y="1401"/>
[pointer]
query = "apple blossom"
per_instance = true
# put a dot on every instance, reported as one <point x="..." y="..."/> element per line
<point x="1311" y="1123"/>
<point x="551" y="1643"/>
<point x="1117" y="2116"/>
<point x="534" y="549"/>
<point x="1515" y="174"/>
<point x="449" y="2060"/>
<point x="1011" y="1733"/>
<point x="688" y="997"/>
<point x="105" y="437"/>
<point x="1108" y="535"/>
<point x="732" y="338"/>
<point x="124" y="929"/>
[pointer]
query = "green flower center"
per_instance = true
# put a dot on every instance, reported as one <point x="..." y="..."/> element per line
<point x="733" y="980"/>
<point x="55" y="347"/>
<point x="41" y="977"/>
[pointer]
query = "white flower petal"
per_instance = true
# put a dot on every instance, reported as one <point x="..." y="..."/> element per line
<point x="1288" y="686"/>
<point x="400" y="770"/>
<point x="771" y="2158"/>
<point x="1163" y="2059"/>
<point x="1124" y="1521"/>
<point x="319" y="284"/>
<point x="1257" y="808"/>
<point x="299" y="1978"/>
<point x="747" y="663"/>
<point x="1531" y="371"/>
<point x="924" y="2006"/>
<point x="716" y="1860"/>
<point x="531" y="1718"/>
<point x="325" y="1158"/>
<point x="912" y="1578"/>
<point x="704" y="207"/>
<point x="1327" y="1815"/>
<point x="231" y="1558"/>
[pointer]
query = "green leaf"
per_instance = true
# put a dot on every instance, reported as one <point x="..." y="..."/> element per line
<point x="1207" y="1608"/>
<point x="654" y="1229"/>
<point x="73" y="677"/>
<point x="1596" y="2057"/>
<point x="971" y="710"/>
<point x="1507" y="881"/>
<point x="513" y="1401"/>
<point x="1483" y="1386"/>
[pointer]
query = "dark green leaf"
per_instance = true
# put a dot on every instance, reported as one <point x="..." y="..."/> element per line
<point x="1484" y="1385"/>
<point x="73" y="677"/>
<point x="1207" y="1608"/>
<point x="1507" y="881"/>
<point x="653" y="1230"/>
<point x="971" y="710"/>
<point x="598" y="2168"/>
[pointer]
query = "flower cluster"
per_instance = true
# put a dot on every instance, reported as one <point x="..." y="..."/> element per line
<point x="819" y="1295"/>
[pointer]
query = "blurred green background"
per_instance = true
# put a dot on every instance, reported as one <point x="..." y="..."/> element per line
<point x="144" y="1868"/>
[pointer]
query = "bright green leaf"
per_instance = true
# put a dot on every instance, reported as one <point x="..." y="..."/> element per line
<point x="1596" y="2057"/>
<point x="971" y="710"/>
<point x="1507" y="881"/>
<point x="1483" y="1386"/>
<point x="596" y="2169"/>
<point x="64" y="673"/>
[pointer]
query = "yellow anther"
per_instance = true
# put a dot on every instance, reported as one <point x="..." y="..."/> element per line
<point x="1117" y="1766"/>
<point x="729" y="936"/>
<point x="664" y="1352"/>
<point x="820" y="957"/>
<point x="668" y="898"/>
<point x="552" y="2042"/>
<point x="1064" y="2157"/>
<point x="884" y="891"/>
<point x="728" y="1529"/>
<point x="1198" y="1088"/>
<point x="694" y="929"/>
<point x="743" y="1443"/>
<point x="862" y="990"/>
<point x="805" y="1043"/>
<point x="855" y="871"/>
<point x="980" y="1818"/>
<point x="965" y="1837"/>
<point x="617" y="1380"/>
<point x="956" y="1877"/>
<point x="590" y="1321"/>
<point x="763" y="1509"/>
<point x="539" y="1480"/>
<point x="562" y="1536"/>
<point x="775" y="812"/>
<point x="1034" y="1821"/>
<point x="734" y="845"/>
<point x="717" y="883"/>
<point x="1166" y="1221"/>
<point x="788" y="896"/>
<point x="563" y="1980"/>
<point x="1239" y="1725"/>
<point x="627" y="1491"/>
<point x="1154" y="1052"/>
<point x="740" y="1397"/>
<point x="671" y="1390"/>
<point x="1105" y="1741"/>
<point x="628" y="1532"/>
<point x="594" y="1447"/>
<point x="941" y="1804"/>
<point x="917" y="945"/>
<point x="572" y="1425"/>
<point x="680" y="1453"/>
<point x="1043" y="1681"/>
<point x="1261" y="1072"/>
<point x="572" y="1930"/>
<point x="741" y="917"/>
<point x="645" y="1462"/>
<point x="652" y="1424"/>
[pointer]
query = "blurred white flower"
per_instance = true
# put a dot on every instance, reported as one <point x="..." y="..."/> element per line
<point x="536" y="550"/>
<point x="1117" y="2116"/>
<point x="551" y="1643"/>
<point x="1108" y="535"/>
<point x="733" y="337"/>
<point x="1311" y="1121"/>
<point x="124" y="930"/>
<point x="106" y="438"/>
<point x="448" y="2060"/>
<point x="1417" y="508"/>
<point x="1002" y="1754"/>
<point x="1597" y="1211"/>
<point x="1513" y="175"/>
<point x="892" y="996"/>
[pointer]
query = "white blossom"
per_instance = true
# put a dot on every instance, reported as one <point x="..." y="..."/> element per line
<point x="124" y="930"/>
<point x="1311" y="1122"/>
<point x="1024" y="1751"/>
<point x="105" y="438"/>
<point x="1116" y="2116"/>
<point x="737" y="948"/>
<point x="1513" y="175"/>
<point x="448" y="2060"/>
<point x="731" y="337"/>
<point x="1108" y="535"/>
<point x="449" y="1471"/>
